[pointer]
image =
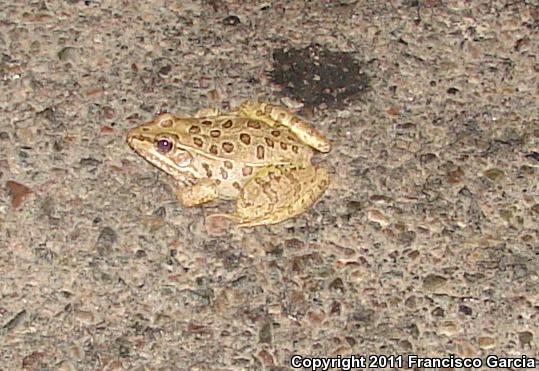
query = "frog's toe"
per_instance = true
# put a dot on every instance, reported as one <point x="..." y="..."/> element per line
<point x="207" y="112"/>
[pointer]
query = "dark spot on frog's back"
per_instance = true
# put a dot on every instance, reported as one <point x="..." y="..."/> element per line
<point x="214" y="150"/>
<point x="260" y="152"/>
<point x="194" y="129"/>
<point x="198" y="142"/>
<point x="269" y="142"/>
<point x="245" y="138"/>
<point x="166" y="123"/>
<point x="253" y="124"/>
<point x="227" y="147"/>
<point x="227" y="124"/>
<point x="215" y="133"/>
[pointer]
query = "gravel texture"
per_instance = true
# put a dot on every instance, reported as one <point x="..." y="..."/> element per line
<point x="426" y="242"/>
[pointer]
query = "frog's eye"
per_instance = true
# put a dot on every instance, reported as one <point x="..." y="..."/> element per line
<point x="164" y="145"/>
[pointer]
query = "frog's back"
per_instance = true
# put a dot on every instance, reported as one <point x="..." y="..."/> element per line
<point x="240" y="139"/>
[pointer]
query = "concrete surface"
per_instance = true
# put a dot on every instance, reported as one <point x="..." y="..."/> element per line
<point x="426" y="243"/>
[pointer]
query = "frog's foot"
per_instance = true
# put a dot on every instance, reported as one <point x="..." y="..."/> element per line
<point x="203" y="191"/>
<point x="207" y="112"/>
<point x="274" y="115"/>
<point x="280" y="192"/>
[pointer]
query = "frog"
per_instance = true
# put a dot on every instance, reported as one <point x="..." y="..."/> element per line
<point x="258" y="154"/>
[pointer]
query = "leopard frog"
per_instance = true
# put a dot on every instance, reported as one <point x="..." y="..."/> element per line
<point x="258" y="154"/>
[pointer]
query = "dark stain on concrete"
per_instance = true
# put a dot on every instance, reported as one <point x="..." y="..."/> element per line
<point x="316" y="75"/>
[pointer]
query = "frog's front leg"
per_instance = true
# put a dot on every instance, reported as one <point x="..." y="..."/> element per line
<point x="275" y="115"/>
<point x="205" y="190"/>
<point x="279" y="192"/>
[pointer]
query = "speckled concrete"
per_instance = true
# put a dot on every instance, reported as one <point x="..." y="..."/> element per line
<point x="427" y="241"/>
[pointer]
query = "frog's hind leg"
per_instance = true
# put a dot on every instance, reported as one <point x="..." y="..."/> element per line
<point x="275" y="115"/>
<point x="280" y="192"/>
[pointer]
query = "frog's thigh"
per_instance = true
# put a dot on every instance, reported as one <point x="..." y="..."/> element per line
<point x="207" y="112"/>
<point x="203" y="191"/>
<point x="274" y="115"/>
<point x="280" y="192"/>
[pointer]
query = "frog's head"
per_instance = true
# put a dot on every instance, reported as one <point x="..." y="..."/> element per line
<point x="157" y="142"/>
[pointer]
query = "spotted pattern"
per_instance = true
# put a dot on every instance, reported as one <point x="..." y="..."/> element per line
<point x="294" y="148"/>
<point x="247" y="170"/>
<point x="208" y="170"/>
<point x="198" y="142"/>
<point x="260" y="152"/>
<point x="228" y="124"/>
<point x="284" y="145"/>
<point x="275" y="177"/>
<point x="245" y="138"/>
<point x="194" y="129"/>
<point x="224" y="174"/>
<point x="237" y="186"/>
<point x="253" y="124"/>
<point x="206" y="122"/>
<point x="215" y="133"/>
<point x="275" y="133"/>
<point x="227" y="147"/>
<point x="228" y="164"/>
<point x="166" y="123"/>
<point x="269" y="142"/>
<point x="214" y="150"/>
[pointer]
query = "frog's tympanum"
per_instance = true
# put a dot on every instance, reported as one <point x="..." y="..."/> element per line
<point x="259" y="155"/>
